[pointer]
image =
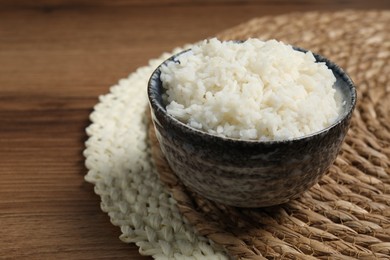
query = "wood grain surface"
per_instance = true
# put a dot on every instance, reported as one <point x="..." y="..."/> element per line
<point x="56" y="58"/>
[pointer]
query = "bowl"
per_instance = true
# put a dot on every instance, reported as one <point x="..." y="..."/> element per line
<point x="249" y="173"/>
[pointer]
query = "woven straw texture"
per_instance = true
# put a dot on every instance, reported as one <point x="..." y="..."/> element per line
<point x="347" y="214"/>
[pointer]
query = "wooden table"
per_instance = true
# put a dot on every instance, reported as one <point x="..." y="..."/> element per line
<point x="56" y="58"/>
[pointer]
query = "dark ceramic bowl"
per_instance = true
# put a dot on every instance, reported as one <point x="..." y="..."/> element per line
<point x="249" y="173"/>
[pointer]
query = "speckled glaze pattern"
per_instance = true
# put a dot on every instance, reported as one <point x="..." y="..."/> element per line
<point x="249" y="173"/>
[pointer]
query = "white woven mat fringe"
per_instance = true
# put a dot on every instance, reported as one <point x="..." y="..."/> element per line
<point x="120" y="167"/>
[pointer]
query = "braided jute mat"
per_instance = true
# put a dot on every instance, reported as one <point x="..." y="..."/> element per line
<point x="347" y="214"/>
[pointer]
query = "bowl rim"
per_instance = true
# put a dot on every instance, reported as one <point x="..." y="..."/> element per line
<point x="158" y="107"/>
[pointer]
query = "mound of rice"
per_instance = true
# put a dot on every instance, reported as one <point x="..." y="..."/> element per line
<point x="253" y="90"/>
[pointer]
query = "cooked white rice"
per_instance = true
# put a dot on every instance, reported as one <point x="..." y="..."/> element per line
<point x="254" y="90"/>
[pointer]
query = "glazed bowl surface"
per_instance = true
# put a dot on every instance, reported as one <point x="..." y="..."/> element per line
<point x="249" y="173"/>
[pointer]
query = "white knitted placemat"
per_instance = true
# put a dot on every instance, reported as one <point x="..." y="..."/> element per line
<point x="120" y="166"/>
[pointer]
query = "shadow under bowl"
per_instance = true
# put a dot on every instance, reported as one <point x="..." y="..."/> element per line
<point x="249" y="173"/>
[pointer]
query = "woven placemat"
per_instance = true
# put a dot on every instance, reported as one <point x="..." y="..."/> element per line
<point x="347" y="214"/>
<point x="120" y="167"/>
